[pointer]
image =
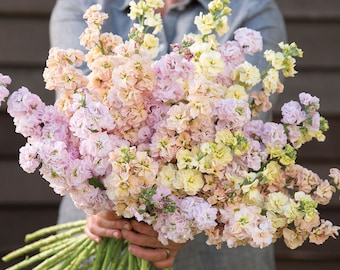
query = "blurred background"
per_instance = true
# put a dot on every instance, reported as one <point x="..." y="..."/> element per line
<point x="26" y="201"/>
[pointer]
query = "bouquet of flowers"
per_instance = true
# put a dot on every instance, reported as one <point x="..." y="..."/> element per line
<point x="173" y="142"/>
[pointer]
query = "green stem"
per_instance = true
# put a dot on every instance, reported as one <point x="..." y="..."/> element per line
<point x="123" y="261"/>
<point x="55" y="244"/>
<point x="111" y="245"/>
<point x="83" y="255"/>
<point x="100" y="254"/>
<point x="144" y="265"/>
<point x="119" y="246"/>
<point x="36" y="258"/>
<point x="40" y="243"/>
<point x="66" y="255"/>
<point x="52" y="229"/>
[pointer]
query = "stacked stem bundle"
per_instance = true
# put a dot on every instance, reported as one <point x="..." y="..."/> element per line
<point x="66" y="247"/>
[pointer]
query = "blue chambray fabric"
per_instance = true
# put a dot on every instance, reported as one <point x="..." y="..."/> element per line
<point x="67" y="24"/>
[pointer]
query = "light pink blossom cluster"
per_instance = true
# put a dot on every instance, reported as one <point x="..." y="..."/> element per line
<point x="172" y="142"/>
<point x="4" y="81"/>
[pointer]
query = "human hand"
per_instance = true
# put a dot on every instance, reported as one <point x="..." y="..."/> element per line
<point x="143" y="238"/>
<point x="145" y="244"/>
<point x="105" y="224"/>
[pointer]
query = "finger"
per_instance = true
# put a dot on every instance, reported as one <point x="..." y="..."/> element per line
<point x="102" y="227"/>
<point x="141" y="239"/>
<point x="92" y="236"/>
<point x="109" y="215"/>
<point x="160" y="257"/>
<point x="143" y="228"/>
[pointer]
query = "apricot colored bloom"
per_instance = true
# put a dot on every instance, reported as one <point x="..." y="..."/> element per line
<point x="320" y="234"/>
<point x="179" y="118"/>
<point x="334" y="173"/>
<point x="293" y="239"/>
<point x="324" y="193"/>
<point x="261" y="102"/>
<point x="94" y="16"/>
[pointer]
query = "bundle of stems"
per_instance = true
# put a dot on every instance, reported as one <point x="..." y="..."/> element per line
<point x="66" y="247"/>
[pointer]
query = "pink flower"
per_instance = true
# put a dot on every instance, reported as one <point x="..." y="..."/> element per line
<point x="231" y="113"/>
<point x="4" y="81"/>
<point x="273" y="134"/>
<point x="28" y="158"/>
<point x="249" y="40"/>
<point x="97" y="144"/>
<point x="308" y="100"/>
<point x="22" y="102"/>
<point x="3" y="93"/>
<point x="292" y="113"/>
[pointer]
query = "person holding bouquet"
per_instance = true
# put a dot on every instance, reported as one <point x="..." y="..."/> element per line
<point x="66" y="26"/>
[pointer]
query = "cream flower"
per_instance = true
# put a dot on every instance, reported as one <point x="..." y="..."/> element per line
<point x="192" y="181"/>
<point x="247" y="75"/>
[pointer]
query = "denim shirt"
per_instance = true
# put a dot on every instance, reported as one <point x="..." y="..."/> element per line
<point x="67" y="24"/>
<point x="262" y="15"/>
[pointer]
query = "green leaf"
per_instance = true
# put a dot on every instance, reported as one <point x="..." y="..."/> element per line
<point x="93" y="181"/>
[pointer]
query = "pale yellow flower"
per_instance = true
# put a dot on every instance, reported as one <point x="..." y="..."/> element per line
<point x="154" y="21"/>
<point x="278" y="221"/>
<point x="154" y="4"/>
<point x="168" y="175"/>
<point x="225" y="137"/>
<point x="192" y="181"/>
<point x="186" y="159"/>
<point x="307" y="205"/>
<point x="205" y="23"/>
<point x="291" y="49"/>
<point x="270" y="82"/>
<point x="211" y="64"/>
<point x="215" y="5"/>
<point x="277" y="202"/>
<point x="289" y="65"/>
<point x="237" y="91"/>
<point x="276" y="59"/>
<point x="136" y="9"/>
<point x="254" y="197"/>
<point x="272" y="171"/>
<point x="247" y="75"/>
<point x="222" y="26"/>
<point x="222" y="155"/>
<point x="151" y="43"/>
